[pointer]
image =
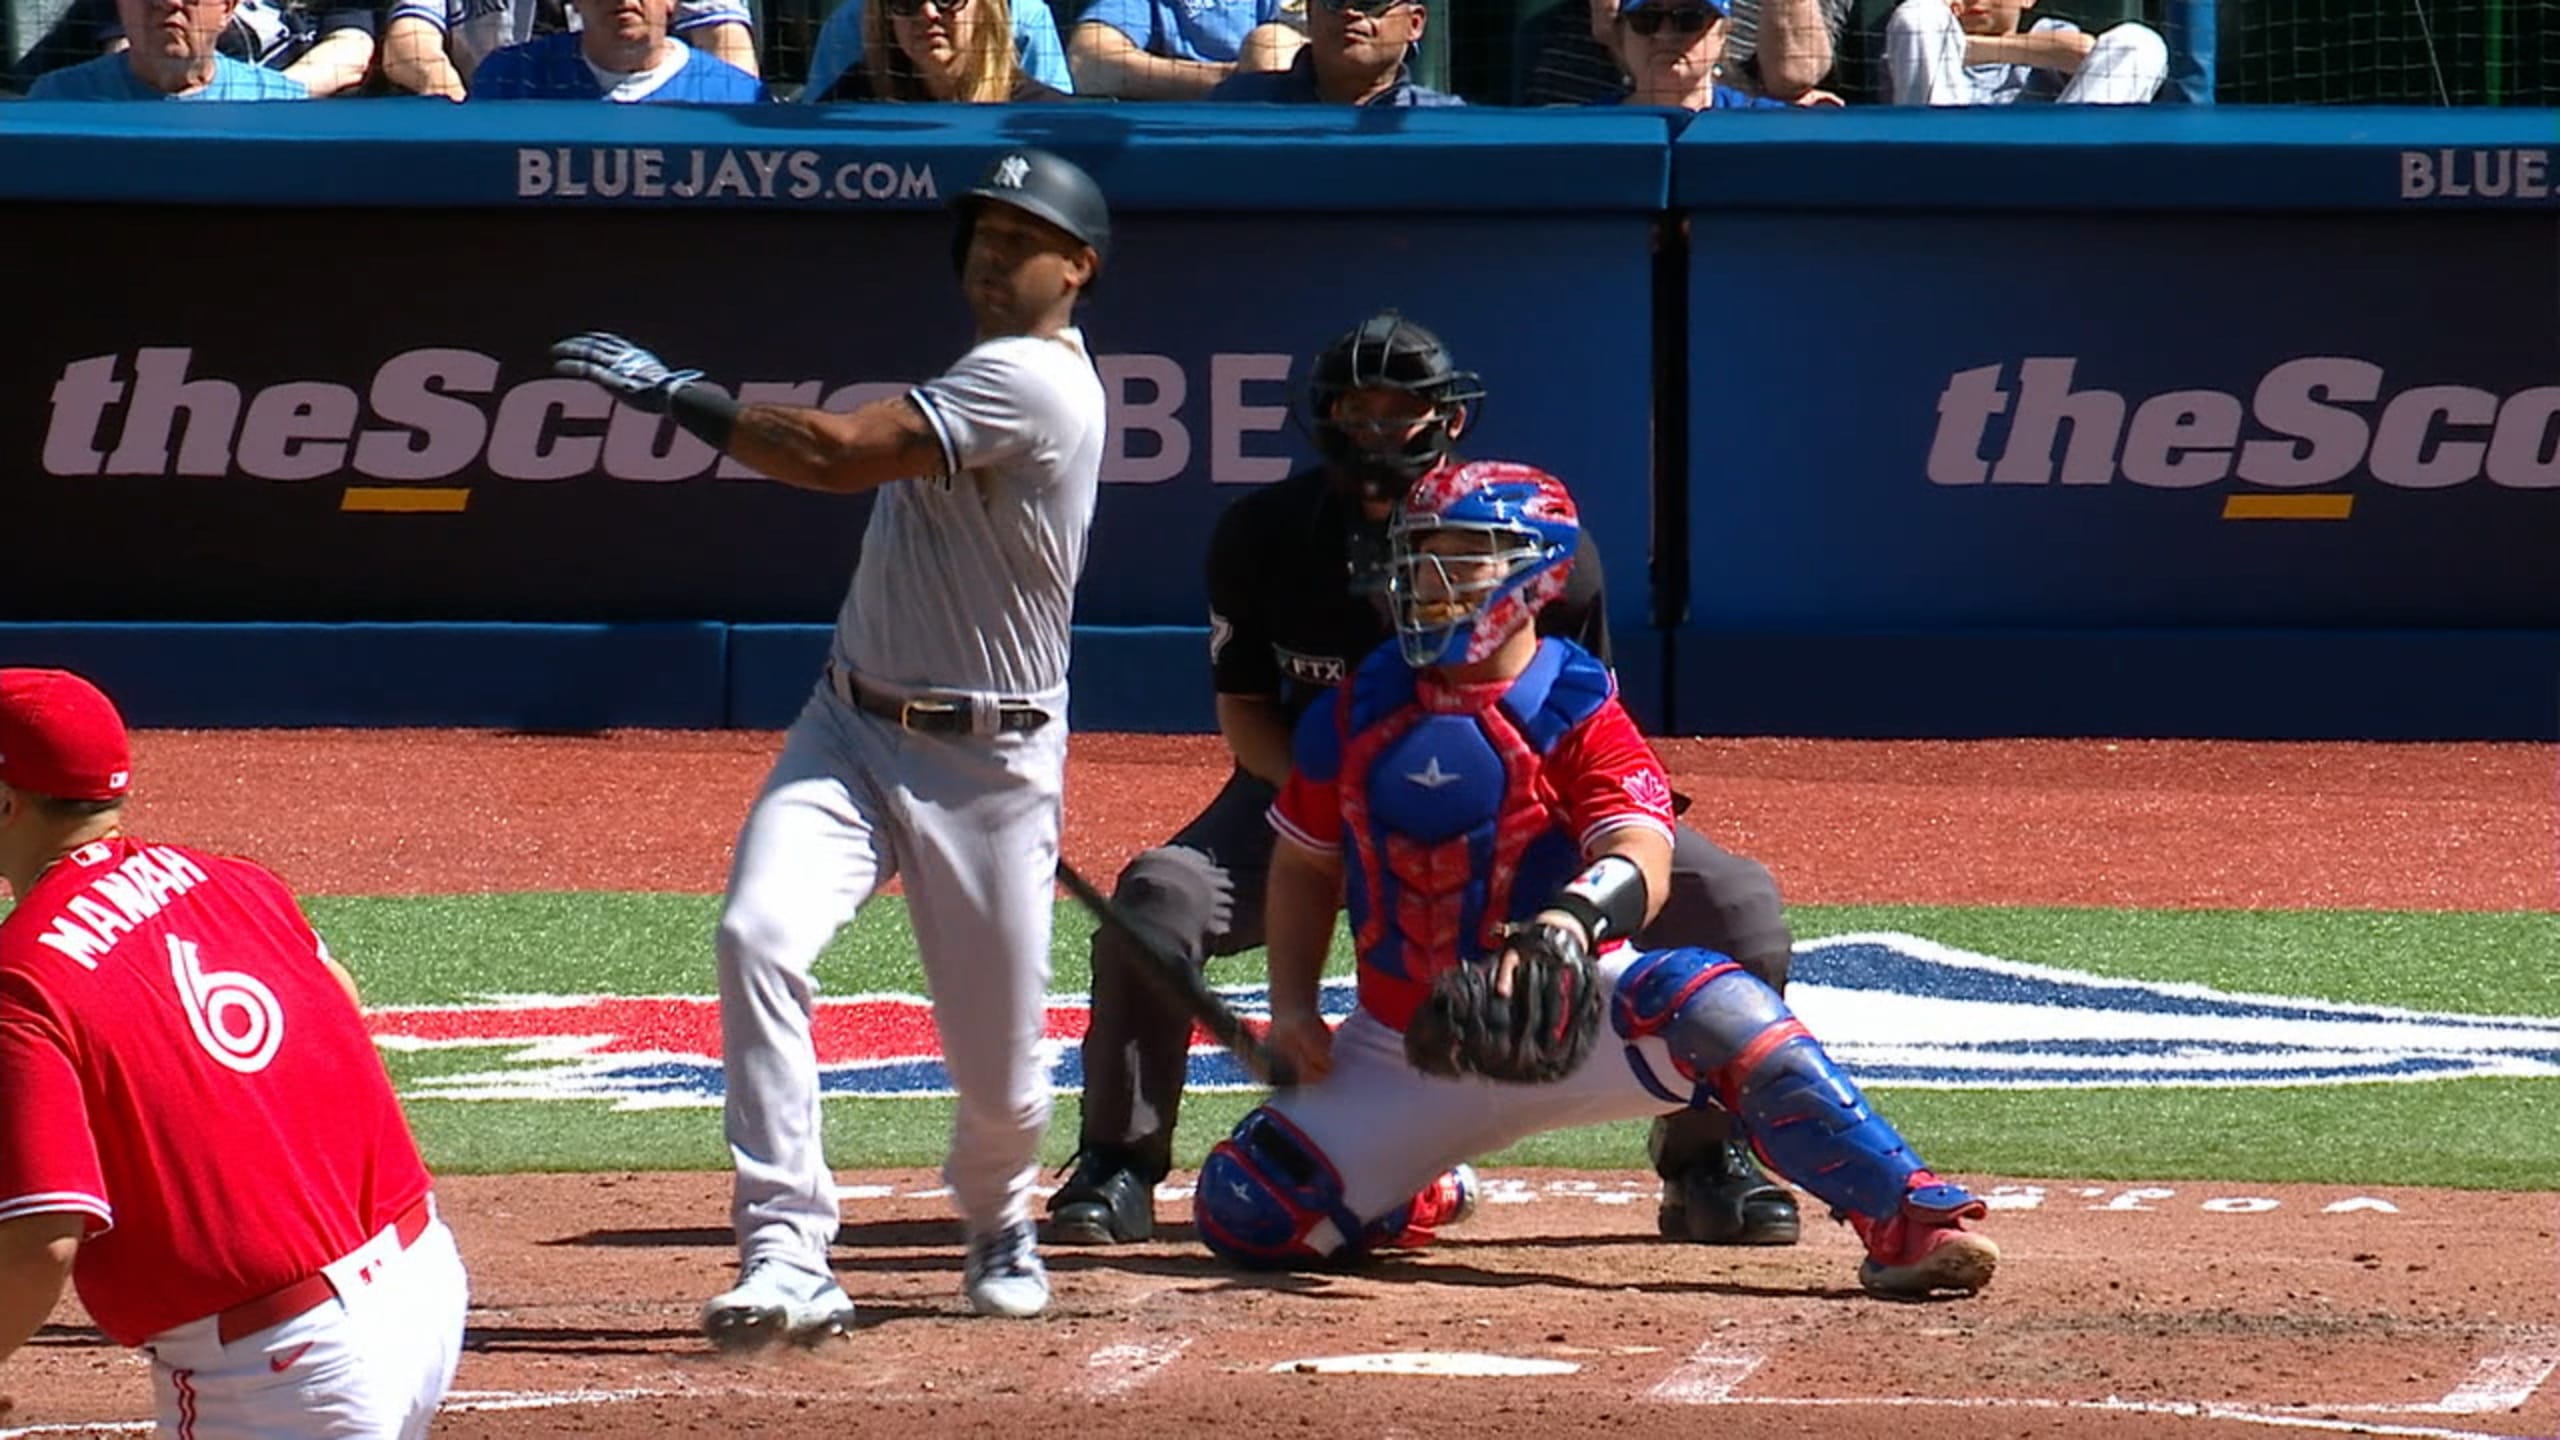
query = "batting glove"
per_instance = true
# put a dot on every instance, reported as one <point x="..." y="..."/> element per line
<point x="636" y="377"/>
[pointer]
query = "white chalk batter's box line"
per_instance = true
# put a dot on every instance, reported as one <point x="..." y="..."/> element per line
<point x="2120" y="1199"/>
<point x="1709" y="1376"/>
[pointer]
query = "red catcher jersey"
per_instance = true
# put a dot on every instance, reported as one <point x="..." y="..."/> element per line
<point x="1457" y="809"/>
<point x="177" y="1065"/>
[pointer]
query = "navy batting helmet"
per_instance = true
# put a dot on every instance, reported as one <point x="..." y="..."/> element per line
<point x="1388" y="351"/>
<point x="1037" y="183"/>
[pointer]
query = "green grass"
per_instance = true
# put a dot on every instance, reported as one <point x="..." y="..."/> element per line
<point x="2471" y="1133"/>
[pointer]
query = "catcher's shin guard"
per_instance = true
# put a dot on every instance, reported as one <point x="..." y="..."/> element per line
<point x="1267" y="1199"/>
<point x="1726" y="1030"/>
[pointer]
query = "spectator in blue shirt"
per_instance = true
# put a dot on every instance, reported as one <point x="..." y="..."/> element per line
<point x="1671" y="49"/>
<point x="327" y="45"/>
<point x="1176" y="49"/>
<point x="1358" y="52"/>
<point x="434" y="47"/>
<point x="621" y="51"/>
<point x="169" y="54"/>
<point x="835" y="61"/>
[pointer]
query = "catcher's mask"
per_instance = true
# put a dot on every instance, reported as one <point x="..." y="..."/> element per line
<point x="1379" y="459"/>
<point x="1454" y="604"/>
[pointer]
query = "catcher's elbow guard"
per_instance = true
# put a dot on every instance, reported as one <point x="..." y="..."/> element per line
<point x="1608" y="898"/>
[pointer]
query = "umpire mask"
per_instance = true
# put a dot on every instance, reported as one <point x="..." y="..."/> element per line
<point x="1379" y="460"/>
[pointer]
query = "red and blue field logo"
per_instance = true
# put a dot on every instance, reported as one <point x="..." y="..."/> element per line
<point x="1893" y="1009"/>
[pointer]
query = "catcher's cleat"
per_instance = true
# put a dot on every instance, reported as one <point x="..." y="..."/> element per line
<point x="1448" y="1200"/>
<point x="1004" y="1274"/>
<point x="1723" y="1198"/>
<point x="1103" y="1203"/>
<point x="1924" y="1247"/>
<point x="775" y="1302"/>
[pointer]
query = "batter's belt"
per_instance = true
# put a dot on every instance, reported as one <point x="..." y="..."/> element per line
<point x="934" y="714"/>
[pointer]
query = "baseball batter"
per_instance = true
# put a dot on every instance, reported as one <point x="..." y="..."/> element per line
<point x="931" y="748"/>
<point x="194" y="1126"/>
<point x="1296" y="571"/>
<point x="1467" y="779"/>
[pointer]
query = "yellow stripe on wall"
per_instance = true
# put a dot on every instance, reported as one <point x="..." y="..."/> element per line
<point x="404" y="500"/>
<point x="2288" y="507"/>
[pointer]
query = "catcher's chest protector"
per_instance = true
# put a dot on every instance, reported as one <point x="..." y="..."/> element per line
<point x="1450" y="816"/>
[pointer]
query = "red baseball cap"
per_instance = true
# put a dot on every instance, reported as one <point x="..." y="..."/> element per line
<point x="61" y="736"/>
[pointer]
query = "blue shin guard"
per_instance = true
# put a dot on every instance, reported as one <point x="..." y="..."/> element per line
<point x="1267" y="1199"/>
<point x="1726" y="1030"/>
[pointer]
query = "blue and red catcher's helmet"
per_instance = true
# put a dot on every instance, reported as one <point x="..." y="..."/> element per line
<point x="1529" y="527"/>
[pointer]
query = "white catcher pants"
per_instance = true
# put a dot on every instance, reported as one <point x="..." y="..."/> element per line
<point x="1390" y="1129"/>
<point x="970" y="823"/>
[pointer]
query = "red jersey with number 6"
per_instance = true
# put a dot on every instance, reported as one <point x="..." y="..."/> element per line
<point x="179" y="1066"/>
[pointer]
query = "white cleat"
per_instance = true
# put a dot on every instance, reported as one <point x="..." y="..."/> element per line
<point x="1004" y="1275"/>
<point x="774" y="1302"/>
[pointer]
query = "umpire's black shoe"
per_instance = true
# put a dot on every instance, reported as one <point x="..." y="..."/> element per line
<point x="1103" y="1203"/>
<point x="1725" y="1199"/>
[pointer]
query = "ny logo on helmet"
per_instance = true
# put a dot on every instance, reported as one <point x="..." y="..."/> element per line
<point x="1011" y="170"/>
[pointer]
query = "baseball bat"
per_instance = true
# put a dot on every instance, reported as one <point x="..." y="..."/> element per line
<point x="1183" y="983"/>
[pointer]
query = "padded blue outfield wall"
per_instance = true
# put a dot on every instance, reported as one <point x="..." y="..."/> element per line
<point x="2173" y="421"/>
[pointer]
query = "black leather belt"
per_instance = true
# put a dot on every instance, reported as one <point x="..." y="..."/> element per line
<point x="935" y="716"/>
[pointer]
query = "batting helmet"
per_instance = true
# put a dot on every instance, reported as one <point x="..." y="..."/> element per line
<point x="1388" y="351"/>
<point x="1444" y="613"/>
<point x="1037" y="183"/>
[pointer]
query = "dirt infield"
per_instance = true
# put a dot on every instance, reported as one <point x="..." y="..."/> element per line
<point x="2122" y="1312"/>
<point x="2139" y="823"/>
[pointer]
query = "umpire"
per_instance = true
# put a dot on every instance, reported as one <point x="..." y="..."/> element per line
<point x="1296" y="576"/>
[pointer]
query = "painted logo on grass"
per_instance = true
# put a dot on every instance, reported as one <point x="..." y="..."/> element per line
<point x="1895" y="1009"/>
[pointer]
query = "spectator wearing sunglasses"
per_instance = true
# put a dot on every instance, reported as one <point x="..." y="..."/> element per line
<point x="1176" y="49"/>
<point x="1672" y="52"/>
<point x="953" y="50"/>
<point x="1358" y="52"/>
<point x="836" y="71"/>
<point x="622" y="51"/>
<point x="1972" y="52"/>
<point x="1576" y="50"/>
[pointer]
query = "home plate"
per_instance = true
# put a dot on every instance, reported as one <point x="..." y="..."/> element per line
<point x="1424" y="1362"/>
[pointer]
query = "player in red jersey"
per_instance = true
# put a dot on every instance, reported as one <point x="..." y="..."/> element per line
<point x="1471" y="778"/>
<point x="195" y="1128"/>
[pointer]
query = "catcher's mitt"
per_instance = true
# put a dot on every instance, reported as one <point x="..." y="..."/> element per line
<point x="1537" y="1034"/>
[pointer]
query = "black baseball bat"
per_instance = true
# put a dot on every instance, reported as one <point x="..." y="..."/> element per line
<point x="1184" y="984"/>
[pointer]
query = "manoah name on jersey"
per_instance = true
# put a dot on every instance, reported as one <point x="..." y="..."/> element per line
<point x="119" y="901"/>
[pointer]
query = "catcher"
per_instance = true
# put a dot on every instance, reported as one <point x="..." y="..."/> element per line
<point x="1498" y="829"/>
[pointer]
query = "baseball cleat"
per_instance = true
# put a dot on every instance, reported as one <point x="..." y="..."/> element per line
<point x="1725" y="1199"/>
<point x="1446" y="1201"/>
<point x="1924" y="1247"/>
<point x="774" y="1302"/>
<point x="1004" y="1275"/>
<point x="1103" y="1203"/>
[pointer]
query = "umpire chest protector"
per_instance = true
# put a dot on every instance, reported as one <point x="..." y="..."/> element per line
<point x="1451" y="825"/>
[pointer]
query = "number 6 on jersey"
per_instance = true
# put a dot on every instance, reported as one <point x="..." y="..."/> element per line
<point x="211" y="997"/>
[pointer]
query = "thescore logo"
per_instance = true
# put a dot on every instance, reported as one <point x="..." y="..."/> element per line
<point x="431" y="414"/>
<point x="2313" y="421"/>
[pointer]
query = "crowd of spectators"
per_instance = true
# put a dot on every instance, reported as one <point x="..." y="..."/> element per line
<point x="1687" y="54"/>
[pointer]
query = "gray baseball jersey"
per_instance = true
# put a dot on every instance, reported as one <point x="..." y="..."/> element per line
<point x="965" y="585"/>
<point x="967" y="582"/>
